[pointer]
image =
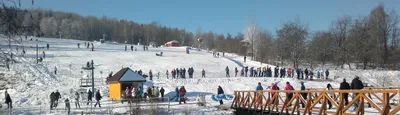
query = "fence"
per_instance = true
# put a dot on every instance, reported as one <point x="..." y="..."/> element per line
<point x="278" y="101"/>
<point x="131" y="106"/>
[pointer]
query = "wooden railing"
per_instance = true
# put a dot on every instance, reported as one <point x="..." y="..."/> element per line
<point x="277" y="101"/>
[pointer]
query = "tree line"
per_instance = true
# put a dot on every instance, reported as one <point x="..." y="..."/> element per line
<point x="370" y="41"/>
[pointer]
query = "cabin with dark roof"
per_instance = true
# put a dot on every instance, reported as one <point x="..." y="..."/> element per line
<point x="124" y="78"/>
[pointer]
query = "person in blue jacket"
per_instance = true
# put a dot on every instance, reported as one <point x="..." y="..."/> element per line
<point x="318" y="74"/>
<point x="259" y="87"/>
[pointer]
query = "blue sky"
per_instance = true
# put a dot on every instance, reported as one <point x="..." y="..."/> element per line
<point x="220" y="16"/>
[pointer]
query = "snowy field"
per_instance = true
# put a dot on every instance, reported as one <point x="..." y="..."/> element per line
<point x="30" y="84"/>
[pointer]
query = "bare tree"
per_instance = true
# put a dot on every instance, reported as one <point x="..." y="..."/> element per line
<point x="382" y="25"/>
<point x="340" y="30"/>
<point x="252" y="34"/>
<point x="292" y="40"/>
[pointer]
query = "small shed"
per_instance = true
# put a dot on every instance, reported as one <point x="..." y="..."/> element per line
<point x="172" y="43"/>
<point x="125" y="77"/>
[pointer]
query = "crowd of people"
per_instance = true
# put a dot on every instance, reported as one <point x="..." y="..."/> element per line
<point x="279" y="72"/>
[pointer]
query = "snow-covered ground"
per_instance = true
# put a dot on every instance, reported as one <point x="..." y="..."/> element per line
<point x="30" y="84"/>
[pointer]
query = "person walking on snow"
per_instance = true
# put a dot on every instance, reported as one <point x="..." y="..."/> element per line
<point x="220" y="91"/>
<point x="203" y="73"/>
<point x="57" y="97"/>
<point x="167" y="73"/>
<point x="8" y="99"/>
<point x="77" y="100"/>
<point x="236" y="71"/>
<point x="89" y="97"/>
<point x="162" y="93"/>
<point x="329" y="87"/>
<point x="227" y="71"/>
<point x="98" y="98"/>
<point x="345" y="86"/>
<point x="182" y="93"/>
<point x="356" y="84"/>
<point x="55" y="70"/>
<point x="303" y="88"/>
<point x="67" y="106"/>
<point x="151" y="75"/>
<point x="327" y="73"/>
<point x="52" y="99"/>
<point x="177" y="94"/>
<point x="44" y="55"/>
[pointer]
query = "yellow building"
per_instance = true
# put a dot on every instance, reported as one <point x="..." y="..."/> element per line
<point x="121" y="80"/>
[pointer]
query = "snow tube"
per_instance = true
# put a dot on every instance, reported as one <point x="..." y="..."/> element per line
<point x="215" y="98"/>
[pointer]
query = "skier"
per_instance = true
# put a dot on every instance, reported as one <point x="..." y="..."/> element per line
<point x="236" y="71"/>
<point x="98" y="98"/>
<point x="244" y="59"/>
<point x="90" y="95"/>
<point x="356" y="84"/>
<point x="162" y="93"/>
<point x="303" y="94"/>
<point x="55" y="70"/>
<point x="77" y="100"/>
<point x="126" y="47"/>
<point x="345" y="86"/>
<point x="182" y="93"/>
<point x="151" y="75"/>
<point x="290" y="94"/>
<point x="8" y="100"/>
<point x="79" y="45"/>
<point x="227" y="71"/>
<point x="48" y="46"/>
<point x="203" y="73"/>
<point x="167" y="73"/>
<point x="329" y="87"/>
<point x="57" y="97"/>
<point x="67" y="106"/>
<point x="220" y="91"/>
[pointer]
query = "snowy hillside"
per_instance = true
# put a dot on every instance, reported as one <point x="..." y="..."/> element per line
<point x="30" y="84"/>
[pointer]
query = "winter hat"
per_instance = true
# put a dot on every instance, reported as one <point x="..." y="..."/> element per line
<point x="259" y="83"/>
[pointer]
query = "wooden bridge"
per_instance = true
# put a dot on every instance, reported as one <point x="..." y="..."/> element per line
<point x="382" y="101"/>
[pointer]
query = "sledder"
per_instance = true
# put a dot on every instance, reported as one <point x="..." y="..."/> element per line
<point x="159" y="54"/>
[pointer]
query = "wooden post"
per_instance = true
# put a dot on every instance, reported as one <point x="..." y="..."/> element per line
<point x="341" y="104"/>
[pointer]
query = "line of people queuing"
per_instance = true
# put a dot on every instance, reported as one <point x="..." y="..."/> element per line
<point x="278" y="72"/>
<point x="356" y="84"/>
<point x="181" y="73"/>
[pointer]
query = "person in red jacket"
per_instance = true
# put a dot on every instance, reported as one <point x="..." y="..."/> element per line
<point x="289" y="72"/>
<point x="290" y="94"/>
<point x="182" y="93"/>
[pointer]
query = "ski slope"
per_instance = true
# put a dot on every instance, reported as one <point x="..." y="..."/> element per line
<point x="30" y="84"/>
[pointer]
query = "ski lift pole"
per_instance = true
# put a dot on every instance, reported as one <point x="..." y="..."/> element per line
<point x="92" y="79"/>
